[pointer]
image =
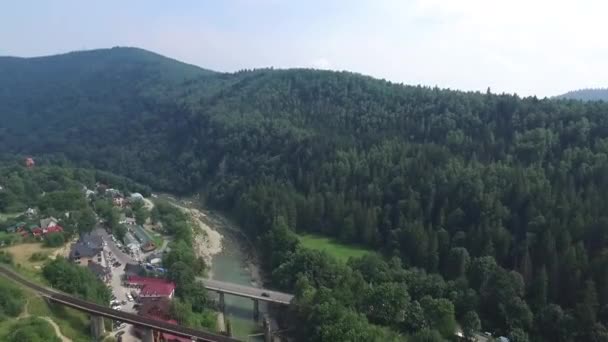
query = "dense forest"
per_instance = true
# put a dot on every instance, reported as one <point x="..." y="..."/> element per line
<point x="487" y="208"/>
<point x="600" y="94"/>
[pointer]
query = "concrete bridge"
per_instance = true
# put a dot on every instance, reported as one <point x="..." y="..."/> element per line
<point x="254" y="293"/>
<point x="98" y="313"/>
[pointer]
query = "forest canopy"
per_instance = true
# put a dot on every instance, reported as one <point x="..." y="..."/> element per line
<point x="488" y="208"/>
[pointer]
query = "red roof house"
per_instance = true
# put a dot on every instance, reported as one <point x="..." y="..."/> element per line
<point x="152" y="287"/>
<point x="53" y="229"/>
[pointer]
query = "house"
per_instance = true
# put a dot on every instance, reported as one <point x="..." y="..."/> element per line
<point x="136" y="196"/>
<point x="87" y="248"/>
<point x="29" y="162"/>
<point x="152" y="287"/>
<point x="48" y="222"/>
<point x="103" y="273"/>
<point x="30" y="212"/>
<point x="113" y="193"/>
<point x="118" y="201"/>
<point x="134" y="270"/>
<point x="128" y="221"/>
<point x="53" y="229"/>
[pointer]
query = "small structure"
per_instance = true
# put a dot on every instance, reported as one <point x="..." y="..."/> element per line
<point x="48" y="222"/>
<point x="134" y="270"/>
<point x="37" y="232"/>
<point x="136" y="196"/>
<point x="147" y="245"/>
<point x="30" y="212"/>
<point x="113" y="192"/>
<point x="23" y="232"/>
<point x="128" y="221"/>
<point x="15" y="227"/>
<point x="152" y="287"/>
<point x="29" y="162"/>
<point x="118" y="201"/>
<point x="101" y="272"/>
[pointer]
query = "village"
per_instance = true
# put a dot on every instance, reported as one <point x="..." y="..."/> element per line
<point x="130" y="264"/>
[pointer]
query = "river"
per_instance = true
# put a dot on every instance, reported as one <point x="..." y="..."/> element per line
<point x="235" y="263"/>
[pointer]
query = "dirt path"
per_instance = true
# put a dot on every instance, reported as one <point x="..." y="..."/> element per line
<point x="57" y="330"/>
<point x="26" y="314"/>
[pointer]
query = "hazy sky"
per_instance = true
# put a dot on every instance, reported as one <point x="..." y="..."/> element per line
<point x="542" y="47"/>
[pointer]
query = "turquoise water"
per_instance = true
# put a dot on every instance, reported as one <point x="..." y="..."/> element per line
<point x="232" y="265"/>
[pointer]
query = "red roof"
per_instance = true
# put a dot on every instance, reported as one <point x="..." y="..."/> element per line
<point x="153" y="286"/>
<point x="54" y="229"/>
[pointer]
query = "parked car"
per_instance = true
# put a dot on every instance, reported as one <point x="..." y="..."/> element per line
<point x="264" y="294"/>
<point x="129" y="297"/>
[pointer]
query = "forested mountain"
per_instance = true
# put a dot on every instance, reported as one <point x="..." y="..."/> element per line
<point x="600" y="94"/>
<point x="481" y="203"/>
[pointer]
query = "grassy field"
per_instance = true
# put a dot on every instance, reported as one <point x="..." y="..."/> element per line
<point x="23" y="252"/>
<point x="4" y="216"/>
<point x="339" y="250"/>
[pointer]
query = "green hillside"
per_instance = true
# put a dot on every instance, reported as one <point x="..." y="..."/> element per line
<point x="481" y="204"/>
<point x="586" y="95"/>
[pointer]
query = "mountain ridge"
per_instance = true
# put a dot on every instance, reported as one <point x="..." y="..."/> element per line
<point x="587" y="94"/>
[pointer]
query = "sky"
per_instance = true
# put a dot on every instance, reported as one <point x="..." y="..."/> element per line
<point x="528" y="47"/>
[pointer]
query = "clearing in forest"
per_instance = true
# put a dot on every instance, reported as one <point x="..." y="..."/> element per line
<point x="339" y="250"/>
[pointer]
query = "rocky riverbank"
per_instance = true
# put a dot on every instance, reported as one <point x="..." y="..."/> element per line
<point x="207" y="241"/>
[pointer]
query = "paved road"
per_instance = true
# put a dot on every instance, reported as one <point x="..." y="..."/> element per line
<point x="246" y="291"/>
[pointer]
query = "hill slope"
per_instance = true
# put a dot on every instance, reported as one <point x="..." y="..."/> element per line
<point x="500" y="195"/>
<point x="586" y="95"/>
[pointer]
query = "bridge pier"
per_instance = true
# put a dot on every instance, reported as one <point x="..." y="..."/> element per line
<point x="97" y="327"/>
<point x="148" y="335"/>
<point x="222" y="303"/>
<point x="256" y="310"/>
<point x="267" y="329"/>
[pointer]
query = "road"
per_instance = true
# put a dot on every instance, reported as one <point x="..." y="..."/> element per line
<point x="246" y="291"/>
<point x="98" y="310"/>
<point x="118" y="289"/>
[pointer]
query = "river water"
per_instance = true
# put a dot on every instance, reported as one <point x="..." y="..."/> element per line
<point x="236" y="264"/>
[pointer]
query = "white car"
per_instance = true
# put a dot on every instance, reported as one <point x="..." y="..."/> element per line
<point x="129" y="297"/>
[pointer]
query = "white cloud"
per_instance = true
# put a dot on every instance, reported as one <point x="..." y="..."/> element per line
<point x="321" y="63"/>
